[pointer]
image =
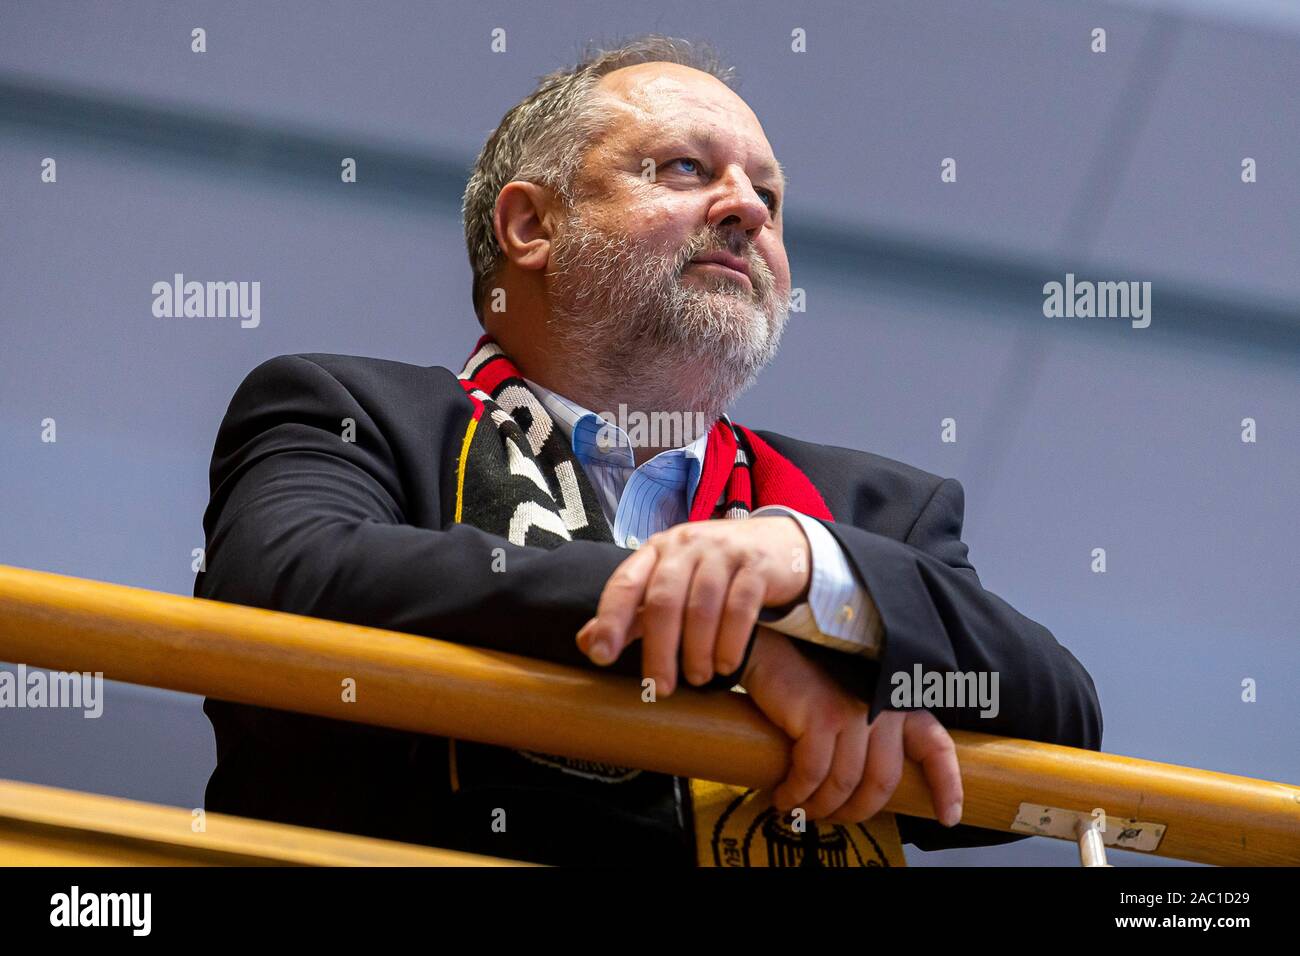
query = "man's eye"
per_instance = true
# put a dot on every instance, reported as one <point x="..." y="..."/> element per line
<point x="768" y="197"/>
<point x="687" y="162"/>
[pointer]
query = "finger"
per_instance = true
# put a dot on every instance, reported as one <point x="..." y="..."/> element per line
<point x="708" y="592"/>
<point x="928" y="743"/>
<point x="634" y="632"/>
<point x="883" y="772"/>
<point x="810" y="760"/>
<point x="661" y="615"/>
<point x="605" y="635"/>
<point x="739" y="615"/>
<point x="845" y="773"/>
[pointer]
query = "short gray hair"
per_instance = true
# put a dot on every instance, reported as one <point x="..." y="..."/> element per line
<point x="545" y="136"/>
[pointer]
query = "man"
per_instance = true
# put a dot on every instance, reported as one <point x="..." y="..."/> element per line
<point x="624" y="225"/>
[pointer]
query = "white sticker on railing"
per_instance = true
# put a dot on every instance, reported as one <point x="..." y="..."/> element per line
<point x="1128" y="834"/>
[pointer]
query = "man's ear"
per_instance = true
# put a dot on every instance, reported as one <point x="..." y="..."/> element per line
<point x="522" y="225"/>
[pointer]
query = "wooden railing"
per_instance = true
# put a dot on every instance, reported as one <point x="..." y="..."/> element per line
<point x="49" y="826"/>
<point x="430" y="686"/>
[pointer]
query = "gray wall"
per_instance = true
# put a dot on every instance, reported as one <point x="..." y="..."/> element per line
<point x="924" y="301"/>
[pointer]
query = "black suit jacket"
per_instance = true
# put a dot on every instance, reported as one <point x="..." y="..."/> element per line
<point x="302" y="521"/>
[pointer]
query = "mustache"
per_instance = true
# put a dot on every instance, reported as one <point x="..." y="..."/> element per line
<point x="593" y="256"/>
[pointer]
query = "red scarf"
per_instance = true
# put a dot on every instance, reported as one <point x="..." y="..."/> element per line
<point x="741" y="471"/>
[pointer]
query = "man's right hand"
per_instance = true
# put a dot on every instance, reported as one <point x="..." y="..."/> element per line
<point x="844" y="770"/>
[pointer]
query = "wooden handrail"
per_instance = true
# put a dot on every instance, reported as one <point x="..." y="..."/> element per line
<point x="50" y="826"/>
<point x="273" y="659"/>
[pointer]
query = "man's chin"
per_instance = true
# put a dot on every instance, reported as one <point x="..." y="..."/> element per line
<point x="732" y="333"/>
<point x="733" y="355"/>
<point x="731" y="303"/>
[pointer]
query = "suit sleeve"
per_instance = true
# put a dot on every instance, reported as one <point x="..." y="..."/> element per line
<point x="935" y="613"/>
<point x="303" y="521"/>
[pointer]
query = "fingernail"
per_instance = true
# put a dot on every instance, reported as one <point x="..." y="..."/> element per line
<point x="953" y="816"/>
<point x="599" y="652"/>
<point x="696" y="678"/>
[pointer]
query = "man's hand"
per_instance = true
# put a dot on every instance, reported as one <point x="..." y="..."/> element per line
<point x="843" y="769"/>
<point x="698" y="587"/>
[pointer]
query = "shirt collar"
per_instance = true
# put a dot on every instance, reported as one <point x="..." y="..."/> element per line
<point x="598" y="441"/>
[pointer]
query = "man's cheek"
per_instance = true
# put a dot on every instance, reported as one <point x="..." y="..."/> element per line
<point x="783" y="271"/>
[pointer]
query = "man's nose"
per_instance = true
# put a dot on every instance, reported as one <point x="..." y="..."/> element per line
<point x="738" y="205"/>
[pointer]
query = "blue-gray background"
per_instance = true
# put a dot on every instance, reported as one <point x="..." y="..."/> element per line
<point x="924" y="301"/>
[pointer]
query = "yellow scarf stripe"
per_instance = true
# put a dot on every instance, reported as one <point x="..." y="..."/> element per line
<point x="460" y="466"/>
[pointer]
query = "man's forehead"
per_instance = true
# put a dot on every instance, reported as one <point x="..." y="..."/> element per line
<point x="653" y="86"/>
<point x="658" y="100"/>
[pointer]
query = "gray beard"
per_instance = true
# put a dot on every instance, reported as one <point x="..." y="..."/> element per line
<point x="622" y="315"/>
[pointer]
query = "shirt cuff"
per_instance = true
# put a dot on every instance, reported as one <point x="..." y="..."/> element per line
<point x="838" y="613"/>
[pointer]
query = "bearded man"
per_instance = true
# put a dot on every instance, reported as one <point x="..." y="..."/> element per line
<point x="624" y="226"/>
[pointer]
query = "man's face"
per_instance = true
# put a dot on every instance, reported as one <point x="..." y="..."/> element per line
<point x="674" y="249"/>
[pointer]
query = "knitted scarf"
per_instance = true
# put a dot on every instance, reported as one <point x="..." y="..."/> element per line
<point x="517" y="477"/>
